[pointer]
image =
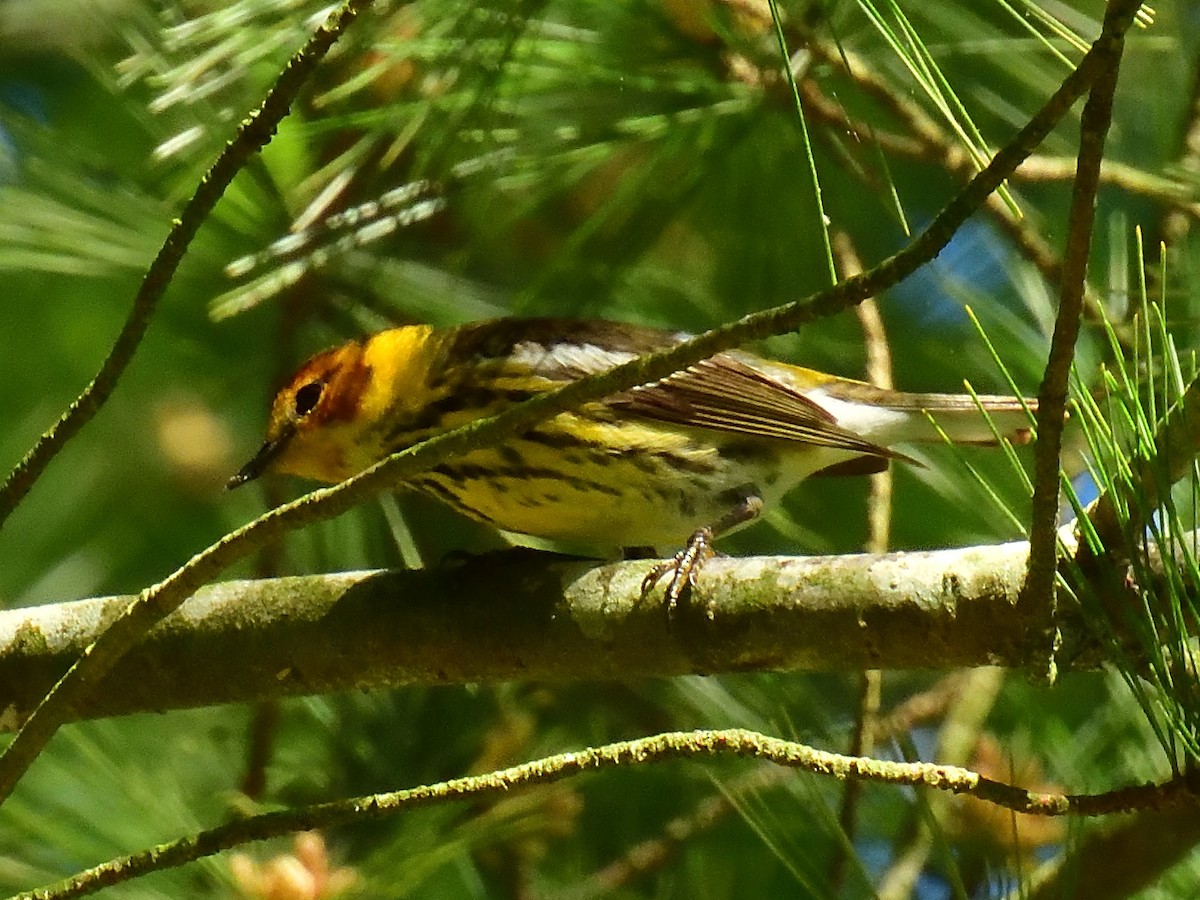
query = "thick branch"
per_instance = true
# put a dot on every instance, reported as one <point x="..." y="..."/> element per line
<point x="529" y="615"/>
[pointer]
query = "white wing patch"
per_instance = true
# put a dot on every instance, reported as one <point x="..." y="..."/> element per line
<point x="875" y="423"/>
<point x="567" y="360"/>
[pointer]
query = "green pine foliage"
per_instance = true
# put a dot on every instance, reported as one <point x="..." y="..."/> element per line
<point x="644" y="160"/>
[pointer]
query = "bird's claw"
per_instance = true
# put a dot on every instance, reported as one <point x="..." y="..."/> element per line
<point x="683" y="568"/>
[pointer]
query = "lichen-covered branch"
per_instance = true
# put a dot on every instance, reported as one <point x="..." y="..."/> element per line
<point x="529" y="615"/>
<point x="658" y="748"/>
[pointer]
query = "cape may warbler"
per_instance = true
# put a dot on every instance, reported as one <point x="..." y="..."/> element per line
<point x="709" y="446"/>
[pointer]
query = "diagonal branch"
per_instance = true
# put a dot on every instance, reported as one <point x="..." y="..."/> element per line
<point x="879" y="523"/>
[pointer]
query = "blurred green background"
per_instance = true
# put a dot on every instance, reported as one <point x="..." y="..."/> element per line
<point x="638" y="160"/>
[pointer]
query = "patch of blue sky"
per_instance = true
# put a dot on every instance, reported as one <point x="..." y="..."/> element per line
<point x="976" y="262"/>
<point x="1085" y="487"/>
<point x="25" y="99"/>
<point x="877" y="857"/>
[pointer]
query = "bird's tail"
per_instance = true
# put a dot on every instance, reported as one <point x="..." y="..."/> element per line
<point x="905" y="417"/>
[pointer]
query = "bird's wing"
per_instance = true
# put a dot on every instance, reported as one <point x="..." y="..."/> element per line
<point x="725" y="394"/>
<point x="722" y="393"/>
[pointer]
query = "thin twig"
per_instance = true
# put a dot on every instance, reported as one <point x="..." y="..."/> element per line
<point x="862" y="743"/>
<point x="957" y="736"/>
<point x="879" y="519"/>
<point x="1176" y="195"/>
<point x="669" y="746"/>
<point x="879" y="373"/>
<point x="1038" y="594"/>
<point x="653" y="854"/>
<point x="158" y="601"/>
<point x="1037" y="168"/>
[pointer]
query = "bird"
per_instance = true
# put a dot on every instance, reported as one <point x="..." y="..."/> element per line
<point x="695" y="455"/>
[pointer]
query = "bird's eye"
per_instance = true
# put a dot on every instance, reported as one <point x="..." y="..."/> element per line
<point x="307" y="397"/>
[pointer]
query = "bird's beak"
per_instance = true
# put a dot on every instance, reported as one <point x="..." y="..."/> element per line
<point x="266" y="454"/>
